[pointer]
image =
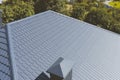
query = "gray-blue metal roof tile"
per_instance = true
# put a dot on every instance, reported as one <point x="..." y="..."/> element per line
<point x="2" y="35"/>
<point x="3" y="53"/>
<point x="3" y="40"/>
<point x="4" y="69"/>
<point x="2" y="30"/>
<point x="4" y="60"/>
<point x="3" y="46"/>
<point x="4" y="56"/>
<point x="37" y="42"/>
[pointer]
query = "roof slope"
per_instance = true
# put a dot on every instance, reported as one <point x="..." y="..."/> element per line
<point x="4" y="56"/>
<point x="37" y="42"/>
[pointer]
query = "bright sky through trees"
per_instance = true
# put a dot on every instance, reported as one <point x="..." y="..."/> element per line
<point x="0" y="1"/>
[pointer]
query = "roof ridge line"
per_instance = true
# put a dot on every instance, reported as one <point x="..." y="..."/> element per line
<point x="94" y="26"/>
<point x="10" y="54"/>
<point x="30" y="16"/>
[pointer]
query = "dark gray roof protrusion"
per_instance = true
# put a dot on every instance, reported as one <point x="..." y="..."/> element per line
<point x="61" y="67"/>
<point x="42" y="76"/>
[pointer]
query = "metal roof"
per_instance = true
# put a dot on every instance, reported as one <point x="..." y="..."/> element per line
<point x="5" y="72"/>
<point x="36" y="42"/>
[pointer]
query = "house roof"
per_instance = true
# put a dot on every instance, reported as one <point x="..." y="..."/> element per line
<point x="36" y="42"/>
<point x="61" y="67"/>
<point x="5" y="71"/>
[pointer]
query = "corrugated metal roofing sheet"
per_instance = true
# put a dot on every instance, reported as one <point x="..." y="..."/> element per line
<point x="4" y="57"/>
<point x="37" y="42"/>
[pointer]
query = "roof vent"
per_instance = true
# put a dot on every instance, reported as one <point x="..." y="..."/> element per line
<point x="61" y="70"/>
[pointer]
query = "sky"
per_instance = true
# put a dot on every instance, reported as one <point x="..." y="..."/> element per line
<point x="0" y="1"/>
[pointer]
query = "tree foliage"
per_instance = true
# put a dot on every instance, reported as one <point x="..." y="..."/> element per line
<point x="55" y="5"/>
<point x="40" y="5"/>
<point x="19" y="10"/>
<point x="92" y="11"/>
<point x="80" y="10"/>
<point x="102" y="18"/>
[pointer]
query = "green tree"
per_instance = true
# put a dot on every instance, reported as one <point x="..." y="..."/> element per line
<point x="40" y="5"/>
<point x="116" y="14"/>
<point x="98" y="17"/>
<point x="80" y="1"/>
<point x="12" y="12"/>
<point x="102" y="18"/>
<point x="56" y="5"/>
<point x="15" y="1"/>
<point x="80" y="10"/>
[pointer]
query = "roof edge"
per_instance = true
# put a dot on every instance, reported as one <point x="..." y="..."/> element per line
<point x="11" y="55"/>
<point x="94" y="26"/>
<point x="29" y="17"/>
